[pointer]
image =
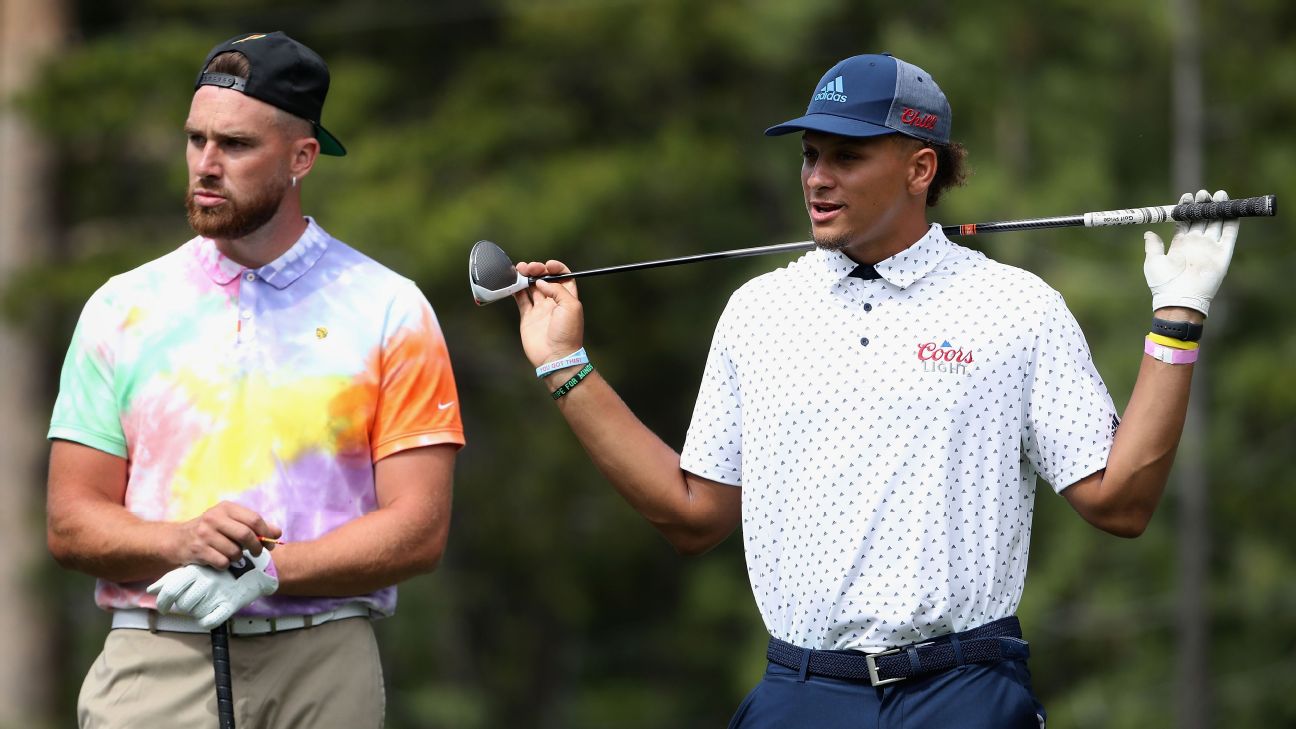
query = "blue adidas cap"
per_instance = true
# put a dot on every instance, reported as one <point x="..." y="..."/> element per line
<point x="864" y="96"/>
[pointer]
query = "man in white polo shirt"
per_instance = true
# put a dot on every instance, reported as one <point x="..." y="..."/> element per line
<point x="875" y="414"/>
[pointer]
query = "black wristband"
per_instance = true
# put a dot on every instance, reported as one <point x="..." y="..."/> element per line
<point x="575" y="380"/>
<point x="1181" y="330"/>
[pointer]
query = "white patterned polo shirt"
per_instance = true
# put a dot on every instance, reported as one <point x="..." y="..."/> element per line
<point x="887" y="433"/>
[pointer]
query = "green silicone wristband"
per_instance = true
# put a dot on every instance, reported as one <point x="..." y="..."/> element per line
<point x="567" y="386"/>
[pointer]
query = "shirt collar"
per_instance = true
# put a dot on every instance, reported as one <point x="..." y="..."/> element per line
<point x="900" y="270"/>
<point x="279" y="273"/>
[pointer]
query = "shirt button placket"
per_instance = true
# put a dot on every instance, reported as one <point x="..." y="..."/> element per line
<point x="246" y="305"/>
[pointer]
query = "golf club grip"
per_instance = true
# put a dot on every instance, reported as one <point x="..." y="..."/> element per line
<point x="224" y="683"/>
<point x="1264" y="205"/>
<point x="1247" y="207"/>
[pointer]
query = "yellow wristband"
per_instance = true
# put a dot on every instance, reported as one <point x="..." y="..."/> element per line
<point x="1171" y="342"/>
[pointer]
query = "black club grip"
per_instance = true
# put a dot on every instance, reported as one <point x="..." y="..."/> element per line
<point x="224" y="683"/>
<point x="1248" y="207"/>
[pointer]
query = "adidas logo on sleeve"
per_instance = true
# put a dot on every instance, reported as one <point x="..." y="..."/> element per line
<point x="832" y="91"/>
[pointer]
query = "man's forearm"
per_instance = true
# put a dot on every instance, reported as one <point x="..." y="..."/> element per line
<point x="109" y="542"/>
<point x="377" y="550"/>
<point x="1122" y="498"/>
<point x="1143" y="452"/>
<point x="642" y="468"/>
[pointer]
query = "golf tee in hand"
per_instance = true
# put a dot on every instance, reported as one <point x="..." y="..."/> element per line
<point x="212" y="595"/>
<point x="1190" y="273"/>
<point x="552" y="321"/>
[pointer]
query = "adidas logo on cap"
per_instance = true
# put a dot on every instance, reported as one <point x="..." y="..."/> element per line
<point x="832" y="91"/>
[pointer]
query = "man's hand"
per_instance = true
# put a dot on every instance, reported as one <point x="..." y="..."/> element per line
<point x="1191" y="272"/>
<point x="220" y="535"/>
<point x="552" y="321"/>
<point x="213" y="595"/>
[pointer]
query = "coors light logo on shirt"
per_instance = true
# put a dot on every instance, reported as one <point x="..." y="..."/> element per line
<point x="944" y="357"/>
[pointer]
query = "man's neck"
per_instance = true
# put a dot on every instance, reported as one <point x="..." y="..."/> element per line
<point x="879" y="249"/>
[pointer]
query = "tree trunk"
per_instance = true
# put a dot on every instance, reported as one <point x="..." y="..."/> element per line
<point x="29" y="31"/>
<point x="1190" y="485"/>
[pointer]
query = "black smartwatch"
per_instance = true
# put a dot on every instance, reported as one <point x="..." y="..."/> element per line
<point x="1181" y="330"/>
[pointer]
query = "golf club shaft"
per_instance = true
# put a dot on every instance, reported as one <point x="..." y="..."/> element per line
<point x="1262" y="206"/>
<point x="804" y="245"/>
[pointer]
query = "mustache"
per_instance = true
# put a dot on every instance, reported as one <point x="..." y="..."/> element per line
<point x="206" y="184"/>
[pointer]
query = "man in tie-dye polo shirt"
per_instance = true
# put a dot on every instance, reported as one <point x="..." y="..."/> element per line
<point x="263" y="382"/>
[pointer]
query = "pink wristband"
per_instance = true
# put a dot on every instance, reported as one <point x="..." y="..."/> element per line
<point x="1169" y="355"/>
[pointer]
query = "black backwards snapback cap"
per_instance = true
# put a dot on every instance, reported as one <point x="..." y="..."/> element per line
<point x="864" y="96"/>
<point x="285" y="74"/>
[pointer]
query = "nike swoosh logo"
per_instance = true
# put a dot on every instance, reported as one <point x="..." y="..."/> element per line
<point x="444" y="405"/>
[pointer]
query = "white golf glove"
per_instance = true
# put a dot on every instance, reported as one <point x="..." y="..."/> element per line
<point x="211" y="595"/>
<point x="1190" y="274"/>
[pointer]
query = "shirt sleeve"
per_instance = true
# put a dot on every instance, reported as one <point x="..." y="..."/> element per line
<point x="418" y="404"/>
<point x="713" y="446"/>
<point x="86" y="410"/>
<point x="1070" y="418"/>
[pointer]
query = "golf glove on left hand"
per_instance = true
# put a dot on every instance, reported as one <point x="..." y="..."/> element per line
<point x="212" y="595"/>
<point x="1191" y="272"/>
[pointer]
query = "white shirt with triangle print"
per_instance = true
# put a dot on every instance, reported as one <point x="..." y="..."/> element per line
<point x="887" y="433"/>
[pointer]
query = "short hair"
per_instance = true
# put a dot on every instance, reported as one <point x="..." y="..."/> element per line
<point x="231" y="62"/>
<point x="236" y="64"/>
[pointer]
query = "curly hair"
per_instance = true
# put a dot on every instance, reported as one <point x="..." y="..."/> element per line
<point x="951" y="169"/>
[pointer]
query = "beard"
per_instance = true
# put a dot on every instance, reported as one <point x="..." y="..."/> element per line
<point x="829" y="242"/>
<point x="236" y="217"/>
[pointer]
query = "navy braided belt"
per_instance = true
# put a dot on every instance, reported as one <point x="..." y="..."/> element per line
<point x="990" y="643"/>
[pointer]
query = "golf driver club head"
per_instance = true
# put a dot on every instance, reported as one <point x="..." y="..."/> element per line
<point x="491" y="275"/>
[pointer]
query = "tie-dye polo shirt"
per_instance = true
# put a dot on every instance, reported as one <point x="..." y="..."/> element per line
<point x="277" y="388"/>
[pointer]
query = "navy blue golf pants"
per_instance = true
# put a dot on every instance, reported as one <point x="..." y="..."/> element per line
<point x="971" y="696"/>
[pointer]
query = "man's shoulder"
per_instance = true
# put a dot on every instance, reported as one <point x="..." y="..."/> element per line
<point x="1008" y="280"/>
<point x="148" y="277"/>
<point x="797" y="273"/>
<point x="363" y="273"/>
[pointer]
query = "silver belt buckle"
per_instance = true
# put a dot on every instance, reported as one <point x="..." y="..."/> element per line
<point x="871" y="659"/>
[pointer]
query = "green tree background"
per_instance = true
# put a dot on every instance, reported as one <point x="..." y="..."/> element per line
<point x="604" y="132"/>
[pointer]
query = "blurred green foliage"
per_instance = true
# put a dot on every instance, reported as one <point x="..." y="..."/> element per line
<point x="604" y="132"/>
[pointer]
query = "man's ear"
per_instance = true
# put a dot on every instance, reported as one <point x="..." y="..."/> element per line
<point x="304" y="153"/>
<point x="922" y="170"/>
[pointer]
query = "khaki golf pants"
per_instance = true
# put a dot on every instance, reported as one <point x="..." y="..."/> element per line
<point x="321" y="677"/>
